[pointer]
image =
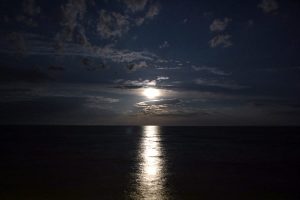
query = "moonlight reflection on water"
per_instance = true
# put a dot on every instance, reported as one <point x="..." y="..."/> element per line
<point x="150" y="175"/>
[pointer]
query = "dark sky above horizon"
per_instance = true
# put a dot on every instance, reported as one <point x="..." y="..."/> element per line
<point x="93" y="62"/>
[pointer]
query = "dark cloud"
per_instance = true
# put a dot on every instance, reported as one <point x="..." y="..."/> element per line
<point x="30" y="8"/>
<point x="269" y="6"/>
<point x="17" y="42"/>
<point x="52" y="110"/>
<point x="56" y="68"/>
<point x="136" y="66"/>
<point x="90" y="65"/>
<point x="12" y="74"/>
<point x="30" y="11"/>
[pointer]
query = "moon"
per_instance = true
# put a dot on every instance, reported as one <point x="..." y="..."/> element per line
<point x="151" y="93"/>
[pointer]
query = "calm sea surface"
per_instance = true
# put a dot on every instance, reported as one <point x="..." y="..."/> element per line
<point x="151" y="162"/>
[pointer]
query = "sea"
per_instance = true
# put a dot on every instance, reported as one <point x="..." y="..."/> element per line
<point x="149" y="162"/>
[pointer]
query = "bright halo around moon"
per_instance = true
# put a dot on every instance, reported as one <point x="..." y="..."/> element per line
<point x="151" y="93"/>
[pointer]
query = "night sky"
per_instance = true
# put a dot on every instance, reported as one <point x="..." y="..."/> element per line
<point x="163" y="62"/>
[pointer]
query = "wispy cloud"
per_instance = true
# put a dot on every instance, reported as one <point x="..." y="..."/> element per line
<point x="112" y="24"/>
<point x="154" y="10"/>
<point x="223" y="40"/>
<point x="212" y="70"/>
<point x="219" y="25"/>
<point x="220" y="84"/>
<point x="162" y="78"/>
<point x="165" y="44"/>
<point x="136" y="5"/>
<point x="73" y="13"/>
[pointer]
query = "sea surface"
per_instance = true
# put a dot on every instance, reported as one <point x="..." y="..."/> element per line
<point x="150" y="162"/>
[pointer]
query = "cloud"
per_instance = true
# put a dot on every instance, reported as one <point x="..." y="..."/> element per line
<point x="37" y="45"/>
<point x="221" y="40"/>
<point x="136" y="66"/>
<point x="135" y="84"/>
<point x="33" y="75"/>
<point x="269" y="6"/>
<point x="30" y="8"/>
<point x="123" y="56"/>
<point x="112" y="24"/>
<point x="139" y="21"/>
<point x="162" y="78"/>
<point x="220" y="84"/>
<point x="158" y="102"/>
<point x="72" y="14"/>
<point x="56" y="110"/>
<point x="17" y="42"/>
<point x="92" y="66"/>
<point x="56" y="68"/>
<point x="153" y="11"/>
<point x="165" y="44"/>
<point x="212" y="70"/>
<point x="168" y="68"/>
<point x="26" y="20"/>
<point x="135" y="5"/>
<point x="96" y="100"/>
<point x="218" y="25"/>
<point x="158" y="107"/>
<point x="80" y="37"/>
<point x="281" y="69"/>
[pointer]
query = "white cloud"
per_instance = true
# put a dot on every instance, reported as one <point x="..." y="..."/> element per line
<point x="269" y="6"/>
<point x="212" y="70"/>
<point x="160" y="107"/>
<point x="218" y="25"/>
<point x="219" y="40"/>
<point x="161" y="78"/>
<point x="135" y="84"/>
<point x="221" y="84"/>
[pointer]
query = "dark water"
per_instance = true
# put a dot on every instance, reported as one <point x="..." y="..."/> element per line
<point x="89" y="163"/>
